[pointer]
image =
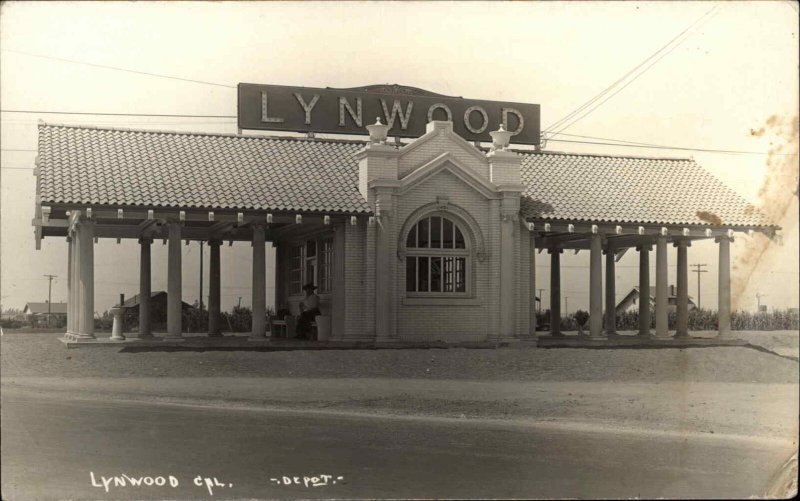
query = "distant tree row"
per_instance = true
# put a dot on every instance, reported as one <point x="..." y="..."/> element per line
<point x="699" y="320"/>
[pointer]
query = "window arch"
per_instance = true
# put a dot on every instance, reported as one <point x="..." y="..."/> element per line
<point x="437" y="255"/>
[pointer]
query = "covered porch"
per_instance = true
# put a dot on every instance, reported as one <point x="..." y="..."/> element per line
<point x="84" y="226"/>
<point x="607" y="243"/>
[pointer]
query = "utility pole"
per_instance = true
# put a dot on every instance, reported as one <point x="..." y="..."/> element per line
<point x="698" y="269"/>
<point x="540" y="299"/>
<point x="49" y="295"/>
<point x="566" y="305"/>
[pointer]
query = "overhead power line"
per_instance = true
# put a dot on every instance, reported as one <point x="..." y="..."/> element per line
<point x="163" y="115"/>
<point x="658" y="147"/>
<point x="562" y="124"/>
<point x="617" y="142"/>
<point x="117" y="68"/>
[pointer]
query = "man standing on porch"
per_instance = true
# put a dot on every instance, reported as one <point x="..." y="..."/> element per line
<point x="309" y="308"/>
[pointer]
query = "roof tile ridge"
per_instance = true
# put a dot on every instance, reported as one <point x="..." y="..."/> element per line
<point x="602" y="155"/>
<point x="201" y="133"/>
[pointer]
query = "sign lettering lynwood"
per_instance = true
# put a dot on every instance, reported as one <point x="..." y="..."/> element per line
<point x="406" y="109"/>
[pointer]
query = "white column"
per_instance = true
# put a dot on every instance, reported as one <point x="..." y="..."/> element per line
<point x="662" y="288"/>
<point x="644" y="289"/>
<point x="259" y="283"/>
<point x="145" y="289"/>
<point x="507" y="273"/>
<point x="70" y="284"/>
<point x="532" y="286"/>
<point x="174" y="281"/>
<point x="611" y="288"/>
<point x="382" y="280"/>
<point x="555" y="292"/>
<point x="596" y="286"/>
<point x="682" y="311"/>
<point x="214" y="280"/>
<point x="86" y="289"/>
<point x="339" y="299"/>
<point x="724" y="286"/>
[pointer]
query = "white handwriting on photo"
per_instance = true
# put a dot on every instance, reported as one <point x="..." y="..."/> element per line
<point x="123" y="480"/>
<point x="210" y="483"/>
<point x="305" y="481"/>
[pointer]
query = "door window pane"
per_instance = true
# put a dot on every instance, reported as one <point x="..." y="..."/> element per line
<point x="461" y="274"/>
<point x="436" y="274"/>
<point x="422" y="233"/>
<point x="448" y="274"/>
<point x="459" y="239"/>
<point x="411" y="241"/>
<point x="411" y="274"/>
<point x="436" y="233"/>
<point x="422" y="273"/>
<point x="447" y="233"/>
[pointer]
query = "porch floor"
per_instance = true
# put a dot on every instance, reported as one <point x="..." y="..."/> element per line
<point x="242" y="341"/>
<point x="630" y="339"/>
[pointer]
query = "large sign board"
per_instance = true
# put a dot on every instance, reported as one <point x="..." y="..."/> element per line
<point x="406" y="109"/>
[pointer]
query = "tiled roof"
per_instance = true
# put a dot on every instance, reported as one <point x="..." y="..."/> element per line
<point x="630" y="190"/>
<point x="194" y="170"/>
<point x="167" y="169"/>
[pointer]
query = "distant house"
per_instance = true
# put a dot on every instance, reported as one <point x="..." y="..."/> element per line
<point x="37" y="314"/>
<point x="631" y="300"/>
<point x="158" y="308"/>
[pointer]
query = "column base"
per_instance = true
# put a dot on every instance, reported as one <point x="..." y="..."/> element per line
<point x="76" y="337"/>
<point x="135" y="335"/>
<point x="214" y="334"/>
<point x="645" y="334"/>
<point x="681" y="335"/>
<point x="173" y="338"/>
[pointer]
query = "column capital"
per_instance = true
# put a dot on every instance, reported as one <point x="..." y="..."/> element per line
<point x="555" y="250"/>
<point x="647" y="247"/>
<point x="682" y="243"/>
<point x="214" y="242"/>
<point x="723" y="237"/>
<point x="146" y="240"/>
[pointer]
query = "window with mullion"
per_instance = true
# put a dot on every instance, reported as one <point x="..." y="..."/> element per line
<point x="436" y="257"/>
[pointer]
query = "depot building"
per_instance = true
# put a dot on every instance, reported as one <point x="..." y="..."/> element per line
<point x="432" y="239"/>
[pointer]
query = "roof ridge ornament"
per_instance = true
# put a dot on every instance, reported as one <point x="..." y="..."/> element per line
<point x="378" y="132"/>
<point x="500" y="138"/>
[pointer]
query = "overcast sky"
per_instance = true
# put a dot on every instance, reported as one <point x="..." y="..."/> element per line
<point x="728" y="83"/>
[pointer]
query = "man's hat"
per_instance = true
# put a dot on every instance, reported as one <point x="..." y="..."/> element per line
<point x="309" y="286"/>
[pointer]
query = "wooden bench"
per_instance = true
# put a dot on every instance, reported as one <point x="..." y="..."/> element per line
<point x="283" y="328"/>
<point x="287" y="328"/>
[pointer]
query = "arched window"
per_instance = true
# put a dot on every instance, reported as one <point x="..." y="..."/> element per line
<point x="437" y="258"/>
